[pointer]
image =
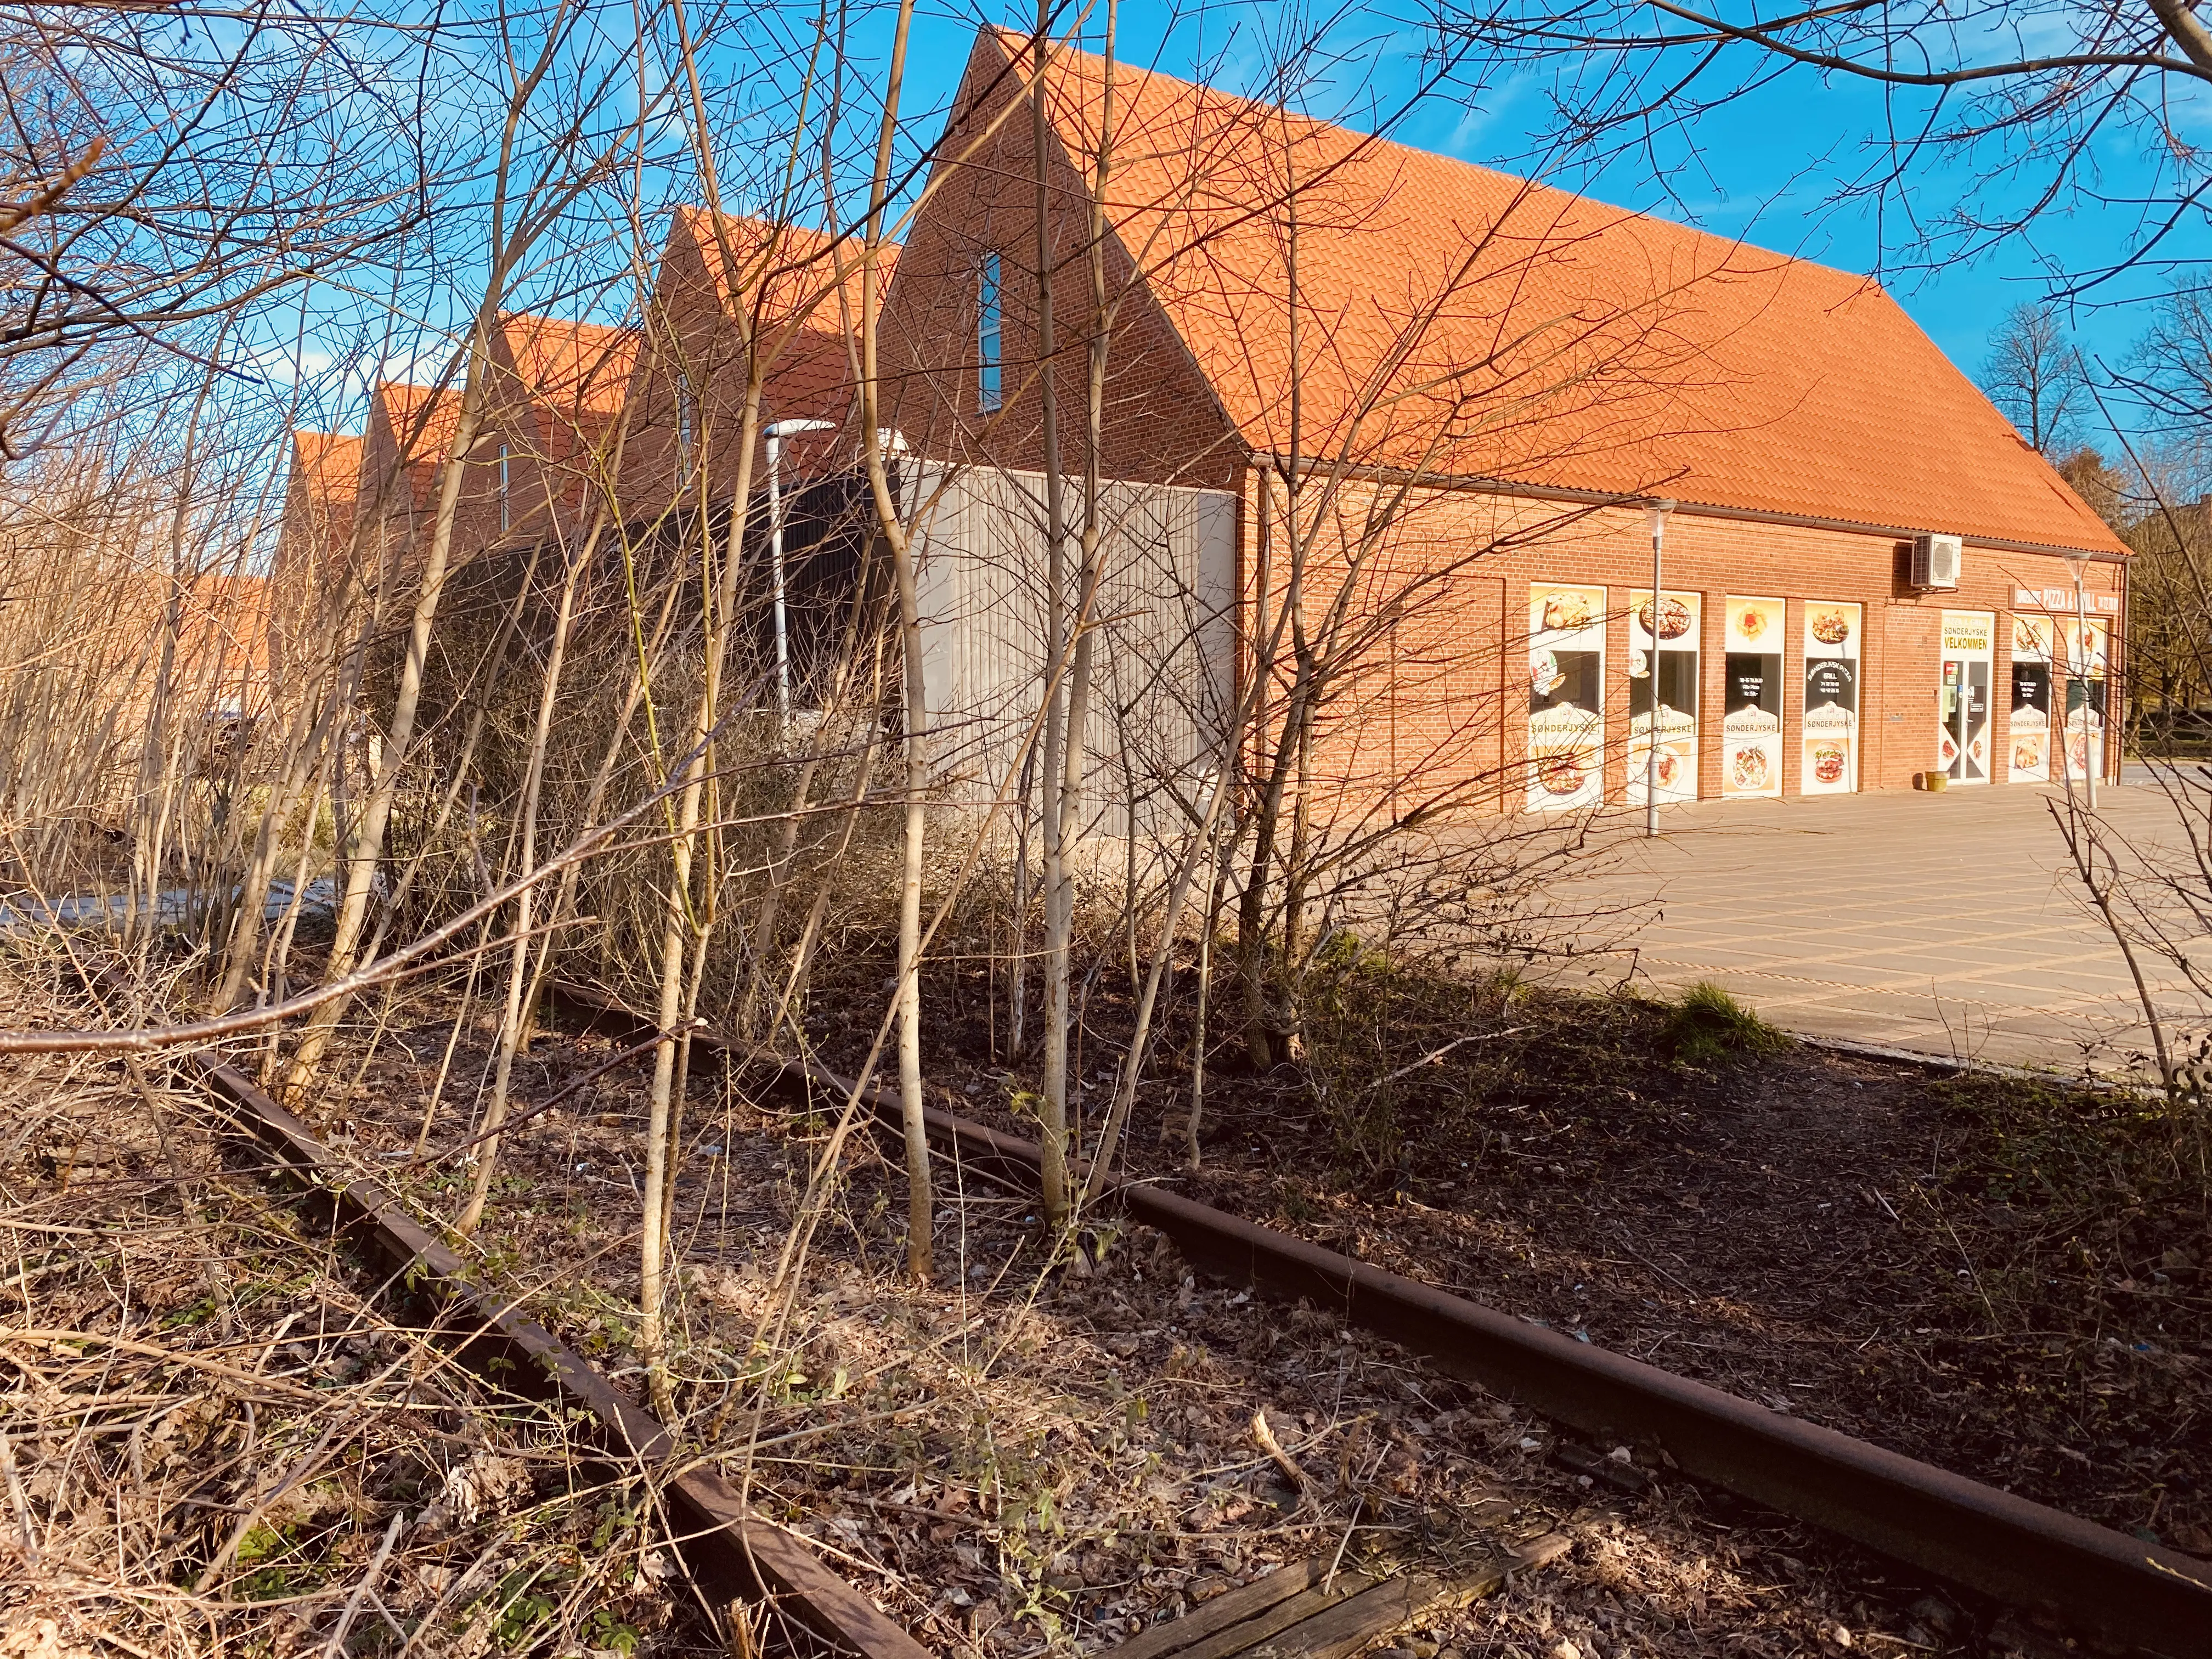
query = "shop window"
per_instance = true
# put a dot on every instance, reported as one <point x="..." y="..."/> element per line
<point x="2029" y="761"/>
<point x="1751" y="691"/>
<point x="1662" y="654"/>
<point x="1830" y="763"/>
<point x="1566" y="695"/>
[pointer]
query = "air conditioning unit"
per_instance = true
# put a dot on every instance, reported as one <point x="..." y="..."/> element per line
<point x="1936" y="562"/>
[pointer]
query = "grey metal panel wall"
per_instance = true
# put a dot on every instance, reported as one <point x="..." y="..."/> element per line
<point x="1163" y="643"/>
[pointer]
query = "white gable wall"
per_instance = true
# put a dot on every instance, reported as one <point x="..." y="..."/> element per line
<point x="1162" y="653"/>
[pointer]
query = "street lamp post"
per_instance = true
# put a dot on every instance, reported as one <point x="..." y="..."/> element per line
<point x="1657" y="513"/>
<point x="2078" y="568"/>
<point x="776" y="432"/>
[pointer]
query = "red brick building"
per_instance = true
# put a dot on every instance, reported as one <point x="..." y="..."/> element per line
<point x="320" y="500"/>
<point x="1446" y="396"/>
<point x="1439" y="407"/>
<point x="731" y="292"/>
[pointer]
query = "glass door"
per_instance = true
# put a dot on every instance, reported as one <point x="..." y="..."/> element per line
<point x="1962" y="738"/>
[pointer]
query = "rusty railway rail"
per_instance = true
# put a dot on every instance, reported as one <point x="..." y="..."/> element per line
<point x="2022" y="1553"/>
<point x="729" y="1546"/>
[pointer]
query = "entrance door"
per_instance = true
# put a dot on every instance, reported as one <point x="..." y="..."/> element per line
<point x="1962" y="743"/>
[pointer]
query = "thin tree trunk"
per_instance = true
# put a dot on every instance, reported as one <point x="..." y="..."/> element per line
<point x="1063" y="736"/>
<point x="1192" y="1122"/>
<point x="511" y="1016"/>
<point x="920" y="1195"/>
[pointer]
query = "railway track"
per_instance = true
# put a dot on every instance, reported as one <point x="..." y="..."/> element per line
<point x="2018" y="1552"/>
<point x="2023" y="1554"/>
<point x="729" y="1547"/>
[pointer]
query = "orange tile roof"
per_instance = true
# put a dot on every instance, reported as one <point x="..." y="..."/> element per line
<point x="222" y="622"/>
<point x="581" y="368"/>
<point x="227" y="616"/>
<point x="403" y="404"/>
<point x="803" y="275"/>
<point x="328" y="467"/>
<point x="1460" y="320"/>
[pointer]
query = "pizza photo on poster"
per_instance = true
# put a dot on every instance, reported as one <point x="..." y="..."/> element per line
<point x="1566" y="695"/>
<point x="1751" y="698"/>
<point x="1830" y="729"/>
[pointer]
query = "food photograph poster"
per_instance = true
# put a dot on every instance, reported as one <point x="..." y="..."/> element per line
<point x="1566" y="695"/>
<point x="1751" y="691"/>
<point x="1662" y="652"/>
<point x="2030" y="760"/>
<point x="2083" y="661"/>
<point x="1830" y="739"/>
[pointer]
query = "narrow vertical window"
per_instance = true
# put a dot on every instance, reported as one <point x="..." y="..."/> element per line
<point x="506" y="512"/>
<point x="986" y="336"/>
<point x="686" y="436"/>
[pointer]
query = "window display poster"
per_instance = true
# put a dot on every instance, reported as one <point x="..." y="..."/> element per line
<point x="2083" y="660"/>
<point x="1962" y="733"/>
<point x="1831" y="698"/>
<point x="2030" y="759"/>
<point x="1662" y="652"/>
<point x="1751" y="693"/>
<point x="1566" y="695"/>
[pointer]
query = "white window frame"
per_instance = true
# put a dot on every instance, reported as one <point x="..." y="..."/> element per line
<point x="990" y="328"/>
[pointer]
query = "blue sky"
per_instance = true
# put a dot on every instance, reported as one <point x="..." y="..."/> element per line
<point x="1765" y="167"/>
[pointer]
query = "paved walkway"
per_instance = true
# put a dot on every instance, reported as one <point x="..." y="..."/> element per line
<point x="1947" y="924"/>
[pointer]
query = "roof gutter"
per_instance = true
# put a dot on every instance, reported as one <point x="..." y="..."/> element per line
<point x="1482" y="486"/>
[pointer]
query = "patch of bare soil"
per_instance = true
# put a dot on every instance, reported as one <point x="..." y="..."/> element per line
<point x="1025" y="1459"/>
<point x="2004" y="1279"/>
<point x="1021" y="1460"/>
<point x="213" y="1439"/>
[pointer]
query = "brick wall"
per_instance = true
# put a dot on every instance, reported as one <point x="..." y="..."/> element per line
<point x="1441" y="617"/>
<point x="1160" y="422"/>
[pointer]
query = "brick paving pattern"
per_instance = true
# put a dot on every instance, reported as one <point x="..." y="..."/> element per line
<point x="1947" y="924"/>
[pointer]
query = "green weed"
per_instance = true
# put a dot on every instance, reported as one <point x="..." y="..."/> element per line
<point x="1708" y="1026"/>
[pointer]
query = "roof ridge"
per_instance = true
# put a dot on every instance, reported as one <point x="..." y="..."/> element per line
<point x="1064" y="57"/>
<point x="1491" y="324"/>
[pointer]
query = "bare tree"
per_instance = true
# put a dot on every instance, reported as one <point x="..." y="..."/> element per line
<point x="2012" y="101"/>
<point x="2035" y="374"/>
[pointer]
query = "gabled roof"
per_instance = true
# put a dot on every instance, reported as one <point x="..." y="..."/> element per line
<point x="573" y="369"/>
<point x="799" y="272"/>
<point x="222" y="625"/>
<point x="422" y="419"/>
<point x="326" y="470"/>
<point x="792" y="271"/>
<point x="1458" y="320"/>
<point x="418" y="423"/>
